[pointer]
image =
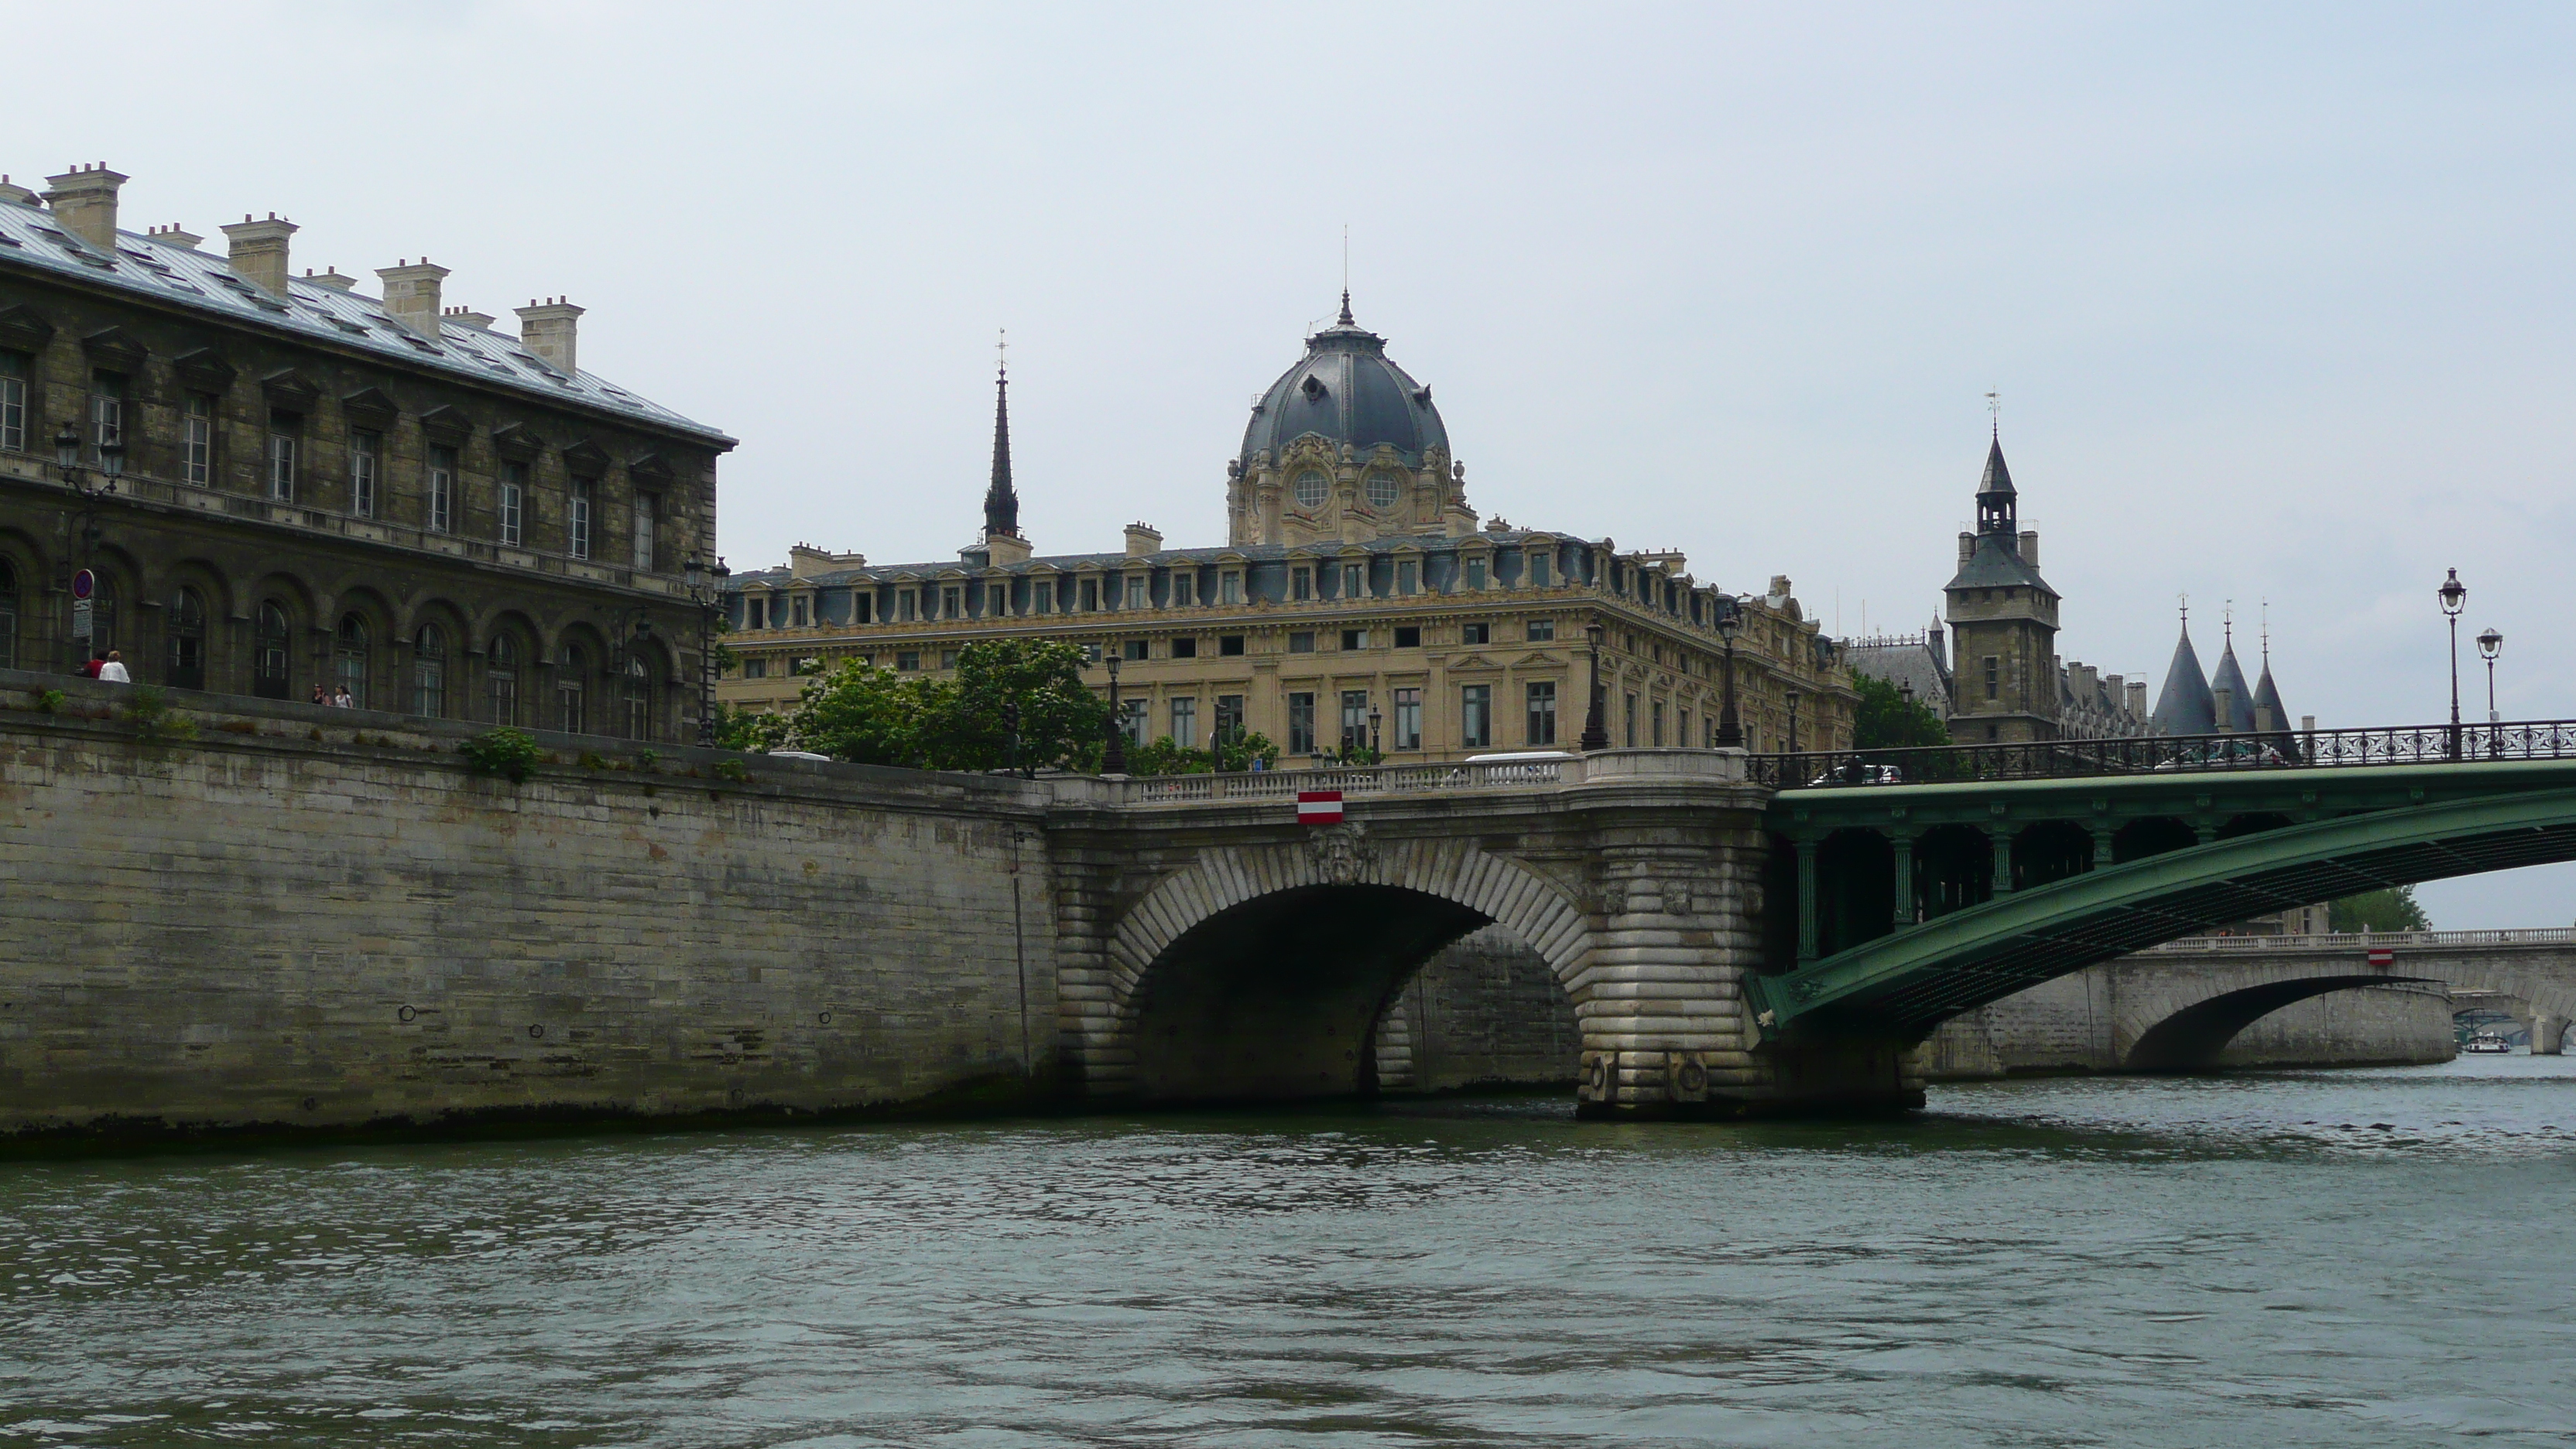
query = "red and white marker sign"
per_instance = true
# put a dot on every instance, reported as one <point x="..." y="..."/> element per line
<point x="2382" y="958"/>
<point x="1319" y="807"/>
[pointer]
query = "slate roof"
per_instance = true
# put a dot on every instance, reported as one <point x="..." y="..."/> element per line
<point x="1995" y="563"/>
<point x="205" y="282"/>
<point x="1997" y="478"/>
<point x="2184" y="706"/>
<point x="1908" y="664"/>
<point x="2240" y="696"/>
<point x="779" y="576"/>
<point x="1346" y="390"/>
<point x="2267" y="695"/>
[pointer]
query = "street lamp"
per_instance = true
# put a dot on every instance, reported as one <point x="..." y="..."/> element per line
<point x="1596" y="735"/>
<point x="1793" y="721"/>
<point x="1113" y="761"/>
<point x="2454" y="595"/>
<point x="111" y="466"/>
<point x="705" y="583"/>
<point x="1377" y="750"/>
<point x="2491" y="644"/>
<point x="1730" y="730"/>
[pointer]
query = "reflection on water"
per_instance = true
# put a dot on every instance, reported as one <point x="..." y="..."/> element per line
<point x="2368" y="1257"/>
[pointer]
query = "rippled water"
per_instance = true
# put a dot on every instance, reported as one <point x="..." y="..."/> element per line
<point x="2382" y="1257"/>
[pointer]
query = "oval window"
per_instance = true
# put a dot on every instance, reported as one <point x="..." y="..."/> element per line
<point x="1310" y="489"/>
<point x="1382" y="488"/>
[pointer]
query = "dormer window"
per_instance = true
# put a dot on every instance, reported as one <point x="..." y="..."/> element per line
<point x="1405" y="571"/>
<point x="1382" y="490"/>
<point x="1185" y="590"/>
<point x="1538" y="570"/>
<point x="1136" y="591"/>
<point x="952" y="603"/>
<point x="1042" y="596"/>
<point x="1301" y="584"/>
<point x="803" y="610"/>
<point x="1476" y="573"/>
<point x="1229" y="587"/>
<point x="1354" y="580"/>
<point x="907" y="605"/>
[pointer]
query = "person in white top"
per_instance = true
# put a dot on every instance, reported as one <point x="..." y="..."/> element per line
<point x="113" y="671"/>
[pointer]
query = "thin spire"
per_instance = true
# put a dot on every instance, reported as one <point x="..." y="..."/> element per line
<point x="1995" y="414"/>
<point x="2267" y="635"/>
<point x="2227" y="623"/>
<point x="1346" y="309"/>
<point x="1001" y="500"/>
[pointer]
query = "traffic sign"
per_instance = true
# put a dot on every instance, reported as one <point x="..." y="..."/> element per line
<point x="81" y="618"/>
<point x="1319" y="807"/>
<point x="84" y="584"/>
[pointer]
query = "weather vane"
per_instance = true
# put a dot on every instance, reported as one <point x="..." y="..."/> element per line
<point x="1995" y="409"/>
<point x="1002" y="352"/>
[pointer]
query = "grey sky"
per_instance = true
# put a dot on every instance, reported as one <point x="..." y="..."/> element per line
<point x="2277" y="297"/>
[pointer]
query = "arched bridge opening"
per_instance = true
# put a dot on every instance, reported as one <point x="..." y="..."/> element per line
<point x="2191" y="1039"/>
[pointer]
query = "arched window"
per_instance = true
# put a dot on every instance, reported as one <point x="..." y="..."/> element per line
<point x="349" y="657"/>
<point x="504" y="674"/>
<point x="102" y="615"/>
<point x="570" y="678"/>
<point x="639" y="699"/>
<point x="8" y="616"/>
<point x="187" y="639"/>
<point x="272" y="651"/>
<point x="429" y="672"/>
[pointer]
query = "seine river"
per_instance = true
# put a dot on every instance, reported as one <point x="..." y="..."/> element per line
<point x="2370" y="1257"/>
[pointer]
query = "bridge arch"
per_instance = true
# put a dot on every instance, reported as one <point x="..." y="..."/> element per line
<point x="1257" y="971"/>
<point x="2190" y="1039"/>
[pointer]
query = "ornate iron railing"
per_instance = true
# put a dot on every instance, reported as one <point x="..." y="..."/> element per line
<point x="2364" y="940"/>
<point x="2165" y="754"/>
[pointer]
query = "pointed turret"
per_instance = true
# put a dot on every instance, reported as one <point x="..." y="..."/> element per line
<point x="2229" y="684"/>
<point x="2185" y="707"/>
<point x="1002" y="501"/>
<point x="1997" y="504"/>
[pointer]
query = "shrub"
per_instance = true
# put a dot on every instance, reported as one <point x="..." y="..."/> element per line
<point x="647" y="759"/>
<point x="509" y="753"/>
<point x="734" y="770"/>
<point x="49" y="700"/>
<point x="593" y="760"/>
<point x="153" y="719"/>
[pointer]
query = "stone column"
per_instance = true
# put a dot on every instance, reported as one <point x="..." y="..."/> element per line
<point x="1903" y="911"/>
<point x="2103" y="850"/>
<point x="2548" y="1034"/>
<point x="1659" y="995"/>
<point x="1807" y="903"/>
<point x="2002" y="885"/>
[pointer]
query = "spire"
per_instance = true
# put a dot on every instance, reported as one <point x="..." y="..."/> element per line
<point x="2184" y="705"/>
<point x="1997" y="505"/>
<point x="2231" y="678"/>
<point x="1001" y="501"/>
<point x="1345" y="319"/>
<point x="2267" y="695"/>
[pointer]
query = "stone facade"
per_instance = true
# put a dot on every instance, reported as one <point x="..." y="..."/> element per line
<point x="314" y="487"/>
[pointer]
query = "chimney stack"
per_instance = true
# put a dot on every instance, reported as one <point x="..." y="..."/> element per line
<point x="411" y="294"/>
<point x="2030" y="549"/>
<point x="469" y="317"/>
<point x="18" y="195"/>
<point x="84" y="203"/>
<point x="2137" y="693"/>
<point x="1142" y="539"/>
<point x="550" y="330"/>
<point x="2225" y="700"/>
<point x="174" y="235"/>
<point x="1967" y="548"/>
<point x="259" y="251"/>
<point x="331" y="277"/>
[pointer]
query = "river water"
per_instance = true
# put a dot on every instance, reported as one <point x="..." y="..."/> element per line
<point x="2358" y="1257"/>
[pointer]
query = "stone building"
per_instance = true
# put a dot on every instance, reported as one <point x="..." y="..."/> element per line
<point x="1358" y="598"/>
<point x="1999" y="679"/>
<point x="279" y="483"/>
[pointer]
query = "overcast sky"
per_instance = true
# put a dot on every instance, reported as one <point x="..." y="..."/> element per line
<point x="2277" y="297"/>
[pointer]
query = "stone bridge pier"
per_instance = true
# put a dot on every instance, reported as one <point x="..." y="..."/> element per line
<point x="1212" y="949"/>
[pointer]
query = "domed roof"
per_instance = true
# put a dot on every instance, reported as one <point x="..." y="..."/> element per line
<point x="1345" y="390"/>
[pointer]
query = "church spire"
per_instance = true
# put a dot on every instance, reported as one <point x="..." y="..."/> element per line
<point x="1345" y="319"/>
<point x="1002" y="501"/>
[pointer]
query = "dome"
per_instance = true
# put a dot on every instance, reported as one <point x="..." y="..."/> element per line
<point x="1345" y="390"/>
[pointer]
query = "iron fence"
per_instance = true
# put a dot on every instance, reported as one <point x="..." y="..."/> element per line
<point x="2165" y="754"/>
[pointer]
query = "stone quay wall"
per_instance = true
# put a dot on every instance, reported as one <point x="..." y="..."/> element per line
<point x="2082" y="1022"/>
<point x="307" y="917"/>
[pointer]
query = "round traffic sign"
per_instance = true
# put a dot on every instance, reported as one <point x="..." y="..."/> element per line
<point x="84" y="584"/>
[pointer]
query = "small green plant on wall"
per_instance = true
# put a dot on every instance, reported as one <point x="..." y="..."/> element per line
<point x="509" y="753"/>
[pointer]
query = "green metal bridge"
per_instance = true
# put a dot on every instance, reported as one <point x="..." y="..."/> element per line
<point x="1926" y="883"/>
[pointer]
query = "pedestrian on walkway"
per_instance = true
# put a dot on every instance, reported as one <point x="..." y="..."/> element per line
<point x="344" y="699"/>
<point x="319" y="697"/>
<point x="112" y="670"/>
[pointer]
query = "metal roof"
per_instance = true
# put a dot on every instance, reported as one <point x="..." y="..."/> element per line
<point x="1995" y="563"/>
<point x="205" y="282"/>
<point x="2184" y="706"/>
<point x="2240" y="696"/>
<point x="1165" y="558"/>
<point x="1346" y="390"/>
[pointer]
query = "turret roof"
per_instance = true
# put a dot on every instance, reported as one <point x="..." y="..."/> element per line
<point x="2184" y="706"/>
<point x="2240" y="696"/>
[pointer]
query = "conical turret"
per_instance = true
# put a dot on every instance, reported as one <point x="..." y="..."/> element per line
<point x="2185" y="707"/>
<point x="1001" y="500"/>
<point x="2230" y="682"/>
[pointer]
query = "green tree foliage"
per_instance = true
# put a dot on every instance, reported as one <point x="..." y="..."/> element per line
<point x="1233" y="753"/>
<point x="746" y="729"/>
<point x="511" y="754"/>
<point x="2387" y="910"/>
<point x="1887" y="720"/>
<point x="878" y="717"/>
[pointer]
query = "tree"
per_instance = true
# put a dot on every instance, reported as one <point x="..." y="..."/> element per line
<point x="2394" y="909"/>
<point x="877" y="717"/>
<point x="1888" y="720"/>
<point x="868" y="716"/>
<point x="1231" y="753"/>
<point x="745" y="729"/>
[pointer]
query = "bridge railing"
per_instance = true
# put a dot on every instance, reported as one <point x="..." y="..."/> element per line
<point x="2358" y="940"/>
<point x="1352" y="781"/>
<point x="2167" y="754"/>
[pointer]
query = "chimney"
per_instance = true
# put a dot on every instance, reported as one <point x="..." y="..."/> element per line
<point x="804" y="561"/>
<point x="174" y="235"/>
<point x="15" y="194"/>
<point x="1142" y="539"/>
<point x="411" y="294"/>
<point x="1967" y="548"/>
<point x="259" y="251"/>
<point x="84" y="203"/>
<point x="2136" y="689"/>
<point x="548" y="329"/>
<point x="331" y="277"/>
<point x="469" y="317"/>
<point x="2224" y="699"/>
<point x="2030" y="549"/>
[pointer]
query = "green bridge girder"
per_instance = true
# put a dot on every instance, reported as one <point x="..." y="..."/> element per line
<point x="2266" y="839"/>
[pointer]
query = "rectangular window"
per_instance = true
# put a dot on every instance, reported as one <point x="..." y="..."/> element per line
<point x="907" y="605"/>
<point x="1354" y="719"/>
<point x="1042" y="596"/>
<point x="1301" y="584"/>
<point x="803" y="607"/>
<point x="1132" y="721"/>
<point x="1542" y="630"/>
<point x="13" y="402"/>
<point x="1538" y="563"/>
<point x="281" y="456"/>
<point x="514" y="503"/>
<point x="577" y="519"/>
<point x="997" y="600"/>
<point x="1355" y="638"/>
<point x="1408" y="719"/>
<point x="1657" y="737"/>
<point x="645" y="517"/>
<point x="1302" y="642"/>
<point x="1229" y="588"/>
<point x="1475" y="633"/>
<point x="1475" y="573"/>
<point x="863" y="607"/>
<point x="907" y="660"/>
<point x="755" y="667"/>
<point x="366" y="457"/>
<point x="1090" y="595"/>
<point x="1185" y="723"/>
<point x="1354" y="580"/>
<point x="947" y="658"/>
<point x="1476" y="716"/>
<point x="1628" y="722"/>
<point x="1405" y="571"/>
<point x="442" y="489"/>
<point x="1541" y="729"/>
<point x="755" y="613"/>
<point x="1408" y="636"/>
<point x="1681" y="729"/>
<point x="1229" y="645"/>
<point x="1185" y="590"/>
<point x="952" y="603"/>
<point x="1091" y="653"/>
<point x="1994" y="677"/>
<point x="197" y="441"/>
<point x="1301" y="724"/>
<point x="1132" y="649"/>
<point x="107" y="409"/>
<point x="1185" y="649"/>
<point x="1136" y="592"/>
<point x="1229" y="718"/>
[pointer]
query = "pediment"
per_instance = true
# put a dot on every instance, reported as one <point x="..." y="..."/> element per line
<point x="586" y="457"/>
<point x="517" y="442"/>
<point x="447" y="424"/>
<point x="203" y="369"/>
<point x="23" y="329"/>
<point x="650" y="470"/>
<point x="1470" y="661"/>
<point x="114" y="348"/>
<point x="1537" y="656"/>
<point x="286" y="389"/>
<point x="370" y="406"/>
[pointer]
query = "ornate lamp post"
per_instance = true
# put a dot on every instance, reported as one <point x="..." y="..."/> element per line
<point x="1596" y="736"/>
<point x="706" y="586"/>
<point x="2454" y="595"/>
<point x="1730" y="730"/>
<point x="1113" y="761"/>
<point x="111" y="466"/>
<point x="1377" y="752"/>
<point x="1793" y="721"/>
<point x="2491" y="644"/>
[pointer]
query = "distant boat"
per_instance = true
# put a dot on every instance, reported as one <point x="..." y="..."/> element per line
<point x="2487" y="1043"/>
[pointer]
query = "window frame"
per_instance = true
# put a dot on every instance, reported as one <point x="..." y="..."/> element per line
<point x="1538" y="712"/>
<point x="197" y="440"/>
<point x="1475" y="716"/>
<point x="580" y="494"/>
<point x="13" y="400"/>
<point x="644" y="513"/>
<point x="285" y="441"/>
<point x="440" y="471"/>
<point x="510" y="517"/>
<point x="1301" y="722"/>
<point x="1408" y="718"/>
